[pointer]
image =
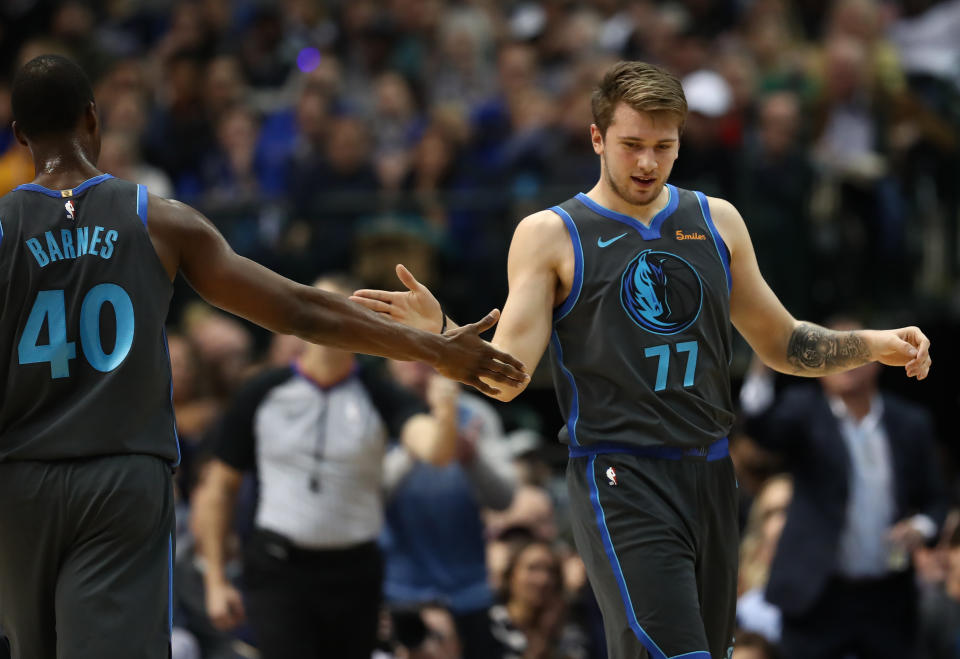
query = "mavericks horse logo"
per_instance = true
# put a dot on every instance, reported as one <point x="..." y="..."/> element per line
<point x="661" y="292"/>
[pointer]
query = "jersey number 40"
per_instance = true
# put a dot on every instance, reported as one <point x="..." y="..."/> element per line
<point x="50" y="306"/>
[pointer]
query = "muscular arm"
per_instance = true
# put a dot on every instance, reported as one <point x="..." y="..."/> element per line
<point x="188" y="242"/>
<point x="815" y="349"/>
<point x="539" y="253"/>
<point x="796" y="347"/>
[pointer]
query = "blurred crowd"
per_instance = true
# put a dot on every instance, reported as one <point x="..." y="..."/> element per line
<point x="351" y="135"/>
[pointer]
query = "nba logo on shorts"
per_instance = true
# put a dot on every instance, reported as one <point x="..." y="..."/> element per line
<point x="70" y="209"/>
<point x="612" y="475"/>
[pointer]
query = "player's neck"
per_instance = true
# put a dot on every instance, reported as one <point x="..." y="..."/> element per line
<point x="604" y="195"/>
<point x="62" y="164"/>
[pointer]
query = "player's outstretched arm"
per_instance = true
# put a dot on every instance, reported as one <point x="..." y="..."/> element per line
<point x="798" y="347"/>
<point x="188" y="242"/>
<point x="539" y="251"/>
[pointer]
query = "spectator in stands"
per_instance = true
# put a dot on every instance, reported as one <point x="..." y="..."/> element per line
<point x="775" y="180"/>
<point x="754" y="646"/>
<point x="333" y="188"/>
<point x="223" y="346"/>
<point x="439" y="557"/>
<point x="764" y="526"/>
<point x="427" y="632"/>
<point x="178" y="133"/>
<point x="867" y="490"/>
<point x="119" y="156"/>
<point x="940" y="606"/>
<point x="316" y="434"/>
<point x="224" y="85"/>
<point x="702" y="163"/>
<point x="531" y="620"/>
<point x="396" y="120"/>
<point x="861" y="204"/>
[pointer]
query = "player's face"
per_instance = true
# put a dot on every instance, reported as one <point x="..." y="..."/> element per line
<point x="637" y="153"/>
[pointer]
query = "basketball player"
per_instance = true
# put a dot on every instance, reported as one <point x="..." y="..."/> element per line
<point x="634" y="286"/>
<point x="87" y="440"/>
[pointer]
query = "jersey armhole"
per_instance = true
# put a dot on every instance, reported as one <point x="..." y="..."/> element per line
<point x="571" y="300"/>
<point x="142" y="199"/>
<point x="722" y="251"/>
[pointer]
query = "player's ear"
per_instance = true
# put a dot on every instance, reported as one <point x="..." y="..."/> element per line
<point x="596" y="137"/>
<point x="21" y="138"/>
<point x="91" y="119"/>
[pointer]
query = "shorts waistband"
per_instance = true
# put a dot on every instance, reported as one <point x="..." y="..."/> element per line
<point x="715" y="451"/>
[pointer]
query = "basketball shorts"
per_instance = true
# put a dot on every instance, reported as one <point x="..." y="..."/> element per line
<point x="85" y="558"/>
<point x="658" y="532"/>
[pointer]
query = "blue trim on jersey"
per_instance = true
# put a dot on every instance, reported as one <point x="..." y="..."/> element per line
<point x="574" y="414"/>
<point x="169" y="584"/>
<point x="176" y="436"/>
<point x="142" y="198"/>
<point x="651" y="232"/>
<point x="89" y="183"/>
<point x="715" y="451"/>
<point x="724" y="253"/>
<point x="574" y="295"/>
<point x="1" y="232"/>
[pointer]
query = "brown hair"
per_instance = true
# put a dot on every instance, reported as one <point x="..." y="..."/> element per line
<point x="556" y="570"/>
<point x="644" y="87"/>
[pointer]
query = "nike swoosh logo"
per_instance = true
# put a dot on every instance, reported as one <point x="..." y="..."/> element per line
<point x="607" y="243"/>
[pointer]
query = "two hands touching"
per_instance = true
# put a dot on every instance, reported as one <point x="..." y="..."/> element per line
<point x="416" y="307"/>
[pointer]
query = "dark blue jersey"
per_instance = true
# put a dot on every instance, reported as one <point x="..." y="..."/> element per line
<point x="641" y="347"/>
<point x="84" y="369"/>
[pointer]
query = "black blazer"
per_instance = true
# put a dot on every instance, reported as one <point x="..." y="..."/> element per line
<point x="801" y="427"/>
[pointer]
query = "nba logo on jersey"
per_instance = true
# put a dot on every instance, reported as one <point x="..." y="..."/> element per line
<point x="70" y="209"/>
<point x="612" y="475"/>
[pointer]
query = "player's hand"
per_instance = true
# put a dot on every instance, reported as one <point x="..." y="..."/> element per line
<point x="224" y="606"/>
<point x="907" y="347"/>
<point x="414" y="307"/>
<point x="466" y="358"/>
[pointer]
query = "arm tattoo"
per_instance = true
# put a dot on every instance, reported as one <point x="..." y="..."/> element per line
<point x="814" y="348"/>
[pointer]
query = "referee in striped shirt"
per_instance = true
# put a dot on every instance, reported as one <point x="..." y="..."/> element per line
<point x="316" y="434"/>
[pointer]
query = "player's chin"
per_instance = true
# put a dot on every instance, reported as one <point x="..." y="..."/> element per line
<point x="646" y="196"/>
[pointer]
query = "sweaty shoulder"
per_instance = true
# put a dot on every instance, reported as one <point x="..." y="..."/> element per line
<point x="173" y="225"/>
<point x="170" y="214"/>
<point x="729" y="223"/>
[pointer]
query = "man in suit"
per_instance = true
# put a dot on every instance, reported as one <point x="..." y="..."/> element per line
<point x="867" y="491"/>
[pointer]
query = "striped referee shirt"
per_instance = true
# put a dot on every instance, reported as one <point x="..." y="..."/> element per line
<point x="317" y="452"/>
